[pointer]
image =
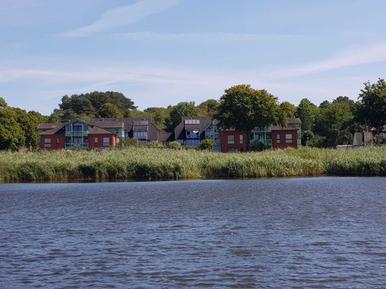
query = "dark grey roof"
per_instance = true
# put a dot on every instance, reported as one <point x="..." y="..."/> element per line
<point x="48" y="126"/>
<point x="53" y="130"/>
<point x="202" y="125"/>
<point x="108" y="122"/>
<point x="98" y="130"/>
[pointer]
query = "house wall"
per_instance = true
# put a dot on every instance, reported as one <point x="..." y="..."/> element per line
<point x="95" y="141"/>
<point x="57" y="142"/>
<point x="281" y="134"/>
<point x="237" y="146"/>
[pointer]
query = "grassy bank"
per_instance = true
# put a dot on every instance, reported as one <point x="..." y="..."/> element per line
<point x="151" y="164"/>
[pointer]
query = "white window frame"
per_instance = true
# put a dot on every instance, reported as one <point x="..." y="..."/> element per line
<point x="241" y="139"/>
<point x="106" y="143"/>
<point x="278" y="138"/>
<point x="288" y="138"/>
<point x="230" y="139"/>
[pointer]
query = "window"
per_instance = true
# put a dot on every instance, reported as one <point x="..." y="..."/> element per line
<point x="192" y="121"/>
<point x="106" y="141"/>
<point x="278" y="138"/>
<point x="96" y="140"/>
<point x="57" y="140"/>
<point x="47" y="142"/>
<point x="241" y="139"/>
<point x="288" y="138"/>
<point x="231" y="139"/>
<point x="141" y="135"/>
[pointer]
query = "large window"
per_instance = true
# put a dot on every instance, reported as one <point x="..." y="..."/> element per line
<point x="288" y="138"/>
<point x="141" y="135"/>
<point x="231" y="139"/>
<point x="278" y="138"/>
<point x="106" y="141"/>
<point x="47" y="142"/>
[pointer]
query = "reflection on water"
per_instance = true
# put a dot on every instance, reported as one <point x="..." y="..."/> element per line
<point x="319" y="233"/>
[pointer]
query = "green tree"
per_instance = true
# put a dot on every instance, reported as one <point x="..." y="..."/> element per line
<point x="109" y="110"/>
<point x="179" y="111"/>
<point x="307" y="112"/>
<point x="3" y="103"/>
<point x="335" y="121"/>
<point x="243" y="108"/>
<point x="207" y="144"/>
<point x="372" y="109"/>
<point x="159" y="115"/>
<point x="286" y="110"/>
<point x="208" y="107"/>
<point x="91" y="105"/>
<point x="11" y="132"/>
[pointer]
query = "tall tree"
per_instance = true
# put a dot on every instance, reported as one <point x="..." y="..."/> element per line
<point x="334" y="123"/>
<point x="286" y="110"/>
<point x="11" y="132"/>
<point x="244" y="108"/>
<point x="372" y="109"/>
<point x="109" y="110"/>
<point x="177" y="112"/>
<point x="208" y="107"/>
<point x="94" y="104"/>
<point x="307" y="112"/>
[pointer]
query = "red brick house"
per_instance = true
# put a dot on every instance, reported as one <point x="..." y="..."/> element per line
<point x="234" y="141"/>
<point x="75" y="134"/>
<point x="284" y="137"/>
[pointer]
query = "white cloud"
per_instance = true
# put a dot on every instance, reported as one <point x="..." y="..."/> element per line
<point x="206" y="37"/>
<point x="367" y="55"/>
<point x="122" y="16"/>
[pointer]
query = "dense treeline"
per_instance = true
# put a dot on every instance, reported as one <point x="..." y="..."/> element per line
<point x="242" y="107"/>
<point x="18" y="127"/>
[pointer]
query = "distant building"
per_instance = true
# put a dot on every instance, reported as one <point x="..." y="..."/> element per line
<point x="192" y="130"/>
<point x="234" y="141"/>
<point x="279" y="137"/>
<point x="98" y="134"/>
<point x="75" y="134"/>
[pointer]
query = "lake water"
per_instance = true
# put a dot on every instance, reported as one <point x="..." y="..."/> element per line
<point x="279" y="233"/>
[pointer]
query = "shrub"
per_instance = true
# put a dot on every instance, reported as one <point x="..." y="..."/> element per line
<point x="206" y="144"/>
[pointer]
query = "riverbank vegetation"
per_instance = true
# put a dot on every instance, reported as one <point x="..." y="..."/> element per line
<point x="167" y="164"/>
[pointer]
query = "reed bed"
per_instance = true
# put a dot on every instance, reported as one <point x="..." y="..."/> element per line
<point x="165" y="164"/>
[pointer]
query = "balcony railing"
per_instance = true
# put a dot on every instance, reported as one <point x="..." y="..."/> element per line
<point x="76" y="133"/>
<point x="76" y="145"/>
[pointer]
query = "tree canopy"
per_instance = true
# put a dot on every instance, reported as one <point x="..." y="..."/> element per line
<point x="372" y="109"/>
<point x="94" y="105"/>
<point x="243" y="108"/>
<point x="178" y="112"/>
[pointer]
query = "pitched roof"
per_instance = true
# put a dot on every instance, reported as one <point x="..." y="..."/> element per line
<point x="52" y="131"/>
<point x="108" y="122"/>
<point x="47" y="126"/>
<point x="98" y="130"/>
<point x="202" y="124"/>
<point x="164" y="136"/>
<point x="278" y="127"/>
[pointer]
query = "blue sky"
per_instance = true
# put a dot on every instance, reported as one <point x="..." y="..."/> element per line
<point x="160" y="52"/>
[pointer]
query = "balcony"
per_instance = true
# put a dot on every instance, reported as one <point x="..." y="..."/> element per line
<point x="76" y="133"/>
<point x="76" y="145"/>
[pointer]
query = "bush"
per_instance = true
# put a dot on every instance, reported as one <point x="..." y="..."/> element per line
<point x="175" y="145"/>
<point x="206" y="144"/>
<point x="259" y="146"/>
